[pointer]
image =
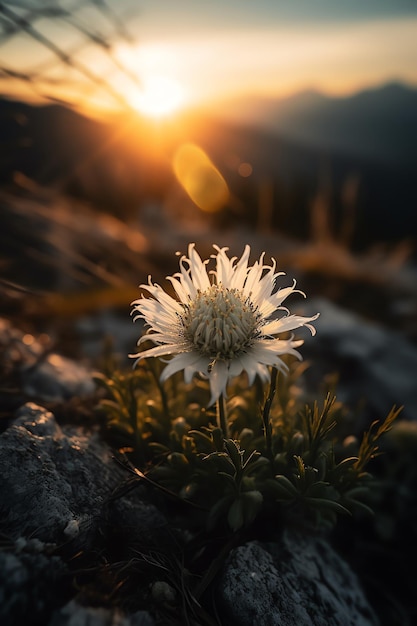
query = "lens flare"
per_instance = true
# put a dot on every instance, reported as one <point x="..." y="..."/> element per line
<point x="200" y="178"/>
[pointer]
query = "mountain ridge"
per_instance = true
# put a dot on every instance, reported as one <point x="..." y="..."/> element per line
<point x="379" y="122"/>
<point x="116" y="166"/>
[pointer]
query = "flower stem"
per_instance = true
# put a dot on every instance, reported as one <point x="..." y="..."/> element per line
<point x="161" y="390"/>
<point x="222" y="417"/>
<point x="266" y="411"/>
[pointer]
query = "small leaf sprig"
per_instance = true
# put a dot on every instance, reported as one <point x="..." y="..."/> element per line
<point x="282" y="464"/>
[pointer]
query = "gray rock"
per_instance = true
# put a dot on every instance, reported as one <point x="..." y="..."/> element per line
<point x="52" y="480"/>
<point x="56" y="378"/>
<point x="133" y="523"/>
<point x="377" y="366"/>
<point x="55" y="485"/>
<point x="28" y="585"/>
<point x="108" y="326"/>
<point x="300" y="581"/>
<point x="141" y="618"/>
<point x="73" y="614"/>
<point x="39" y="374"/>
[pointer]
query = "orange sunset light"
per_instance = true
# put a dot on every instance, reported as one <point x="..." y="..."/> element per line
<point x="161" y="96"/>
<point x="163" y="91"/>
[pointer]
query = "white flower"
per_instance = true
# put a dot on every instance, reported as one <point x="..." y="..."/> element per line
<point x="223" y="322"/>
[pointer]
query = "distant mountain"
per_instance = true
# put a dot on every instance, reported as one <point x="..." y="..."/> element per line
<point x="103" y="163"/>
<point x="385" y="200"/>
<point x="120" y="166"/>
<point x="379" y="124"/>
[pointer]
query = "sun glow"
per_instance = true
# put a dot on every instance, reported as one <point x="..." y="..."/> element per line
<point x="161" y="96"/>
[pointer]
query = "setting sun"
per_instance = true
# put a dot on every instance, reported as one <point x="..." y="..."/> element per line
<point x="159" y="97"/>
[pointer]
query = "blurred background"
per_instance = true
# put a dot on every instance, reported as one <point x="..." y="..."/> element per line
<point x="129" y="129"/>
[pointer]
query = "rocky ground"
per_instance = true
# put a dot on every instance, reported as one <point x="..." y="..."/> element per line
<point x="85" y="542"/>
<point x="81" y="545"/>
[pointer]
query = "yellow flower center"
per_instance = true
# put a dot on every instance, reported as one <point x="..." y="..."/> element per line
<point x="220" y="323"/>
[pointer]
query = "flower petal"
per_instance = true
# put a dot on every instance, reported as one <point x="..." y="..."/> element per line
<point x="289" y="322"/>
<point x="224" y="267"/>
<point x="223" y="324"/>
<point x="198" y="269"/>
<point x="164" y="350"/>
<point x="200" y="366"/>
<point x="218" y="379"/>
<point x="179" y="362"/>
<point x="253" y="368"/>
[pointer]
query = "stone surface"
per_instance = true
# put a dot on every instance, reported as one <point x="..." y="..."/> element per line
<point x="56" y="498"/>
<point x="73" y="614"/>
<point x="55" y="486"/>
<point x="56" y="378"/>
<point x="300" y="581"/>
<point x="132" y="523"/>
<point x="31" y="582"/>
<point x="51" y="479"/>
<point x="35" y="373"/>
<point x="377" y="366"/>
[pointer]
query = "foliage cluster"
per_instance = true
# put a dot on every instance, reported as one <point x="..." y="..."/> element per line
<point x="283" y="461"/>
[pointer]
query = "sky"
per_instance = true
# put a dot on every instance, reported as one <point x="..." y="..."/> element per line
<point x="191" y="52"/>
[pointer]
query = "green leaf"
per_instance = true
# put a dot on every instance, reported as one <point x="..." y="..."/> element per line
<point x="359" y="505"/>
<point x="120" y="428"/>
<point x="244" y="509"/>
<point x="369" y="447"/>
<point x="321" y="489"/>
<point x="283" y="488"/>
<point x="163" y="473"/>
<point x="297" y="444"/>
<point x="343" y="468"/>
<point x="300" y="469"/>
<point x="220" y="462"/>
<point x="350" y="498"/>
<point x="357" y="492"/>
<point x="188" y="491"/>
<point x="256" y="466"/>
<point x="218" y="511"/>
<point x="178" y="461"/>
<point x="203" y="442"/>
<point x="321" y="466"/>
<point x="230" y="479"/>
<point x="328" y="504"/>
<point x="235" y="454"/>
<point x="218" y="439"/>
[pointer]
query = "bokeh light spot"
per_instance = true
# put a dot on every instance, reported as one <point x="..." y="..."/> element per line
<point x="245" y="169"/>
<point x="28" y="339"/>
<point x="200" y="178"/>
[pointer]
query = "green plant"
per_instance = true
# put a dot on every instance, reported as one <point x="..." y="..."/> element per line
<point x="282" y="461"/>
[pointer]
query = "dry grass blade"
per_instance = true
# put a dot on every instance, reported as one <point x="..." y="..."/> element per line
<point x="369" y="447"/>
<point x="27" y="27"/>
<point x="318" y="424"/>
